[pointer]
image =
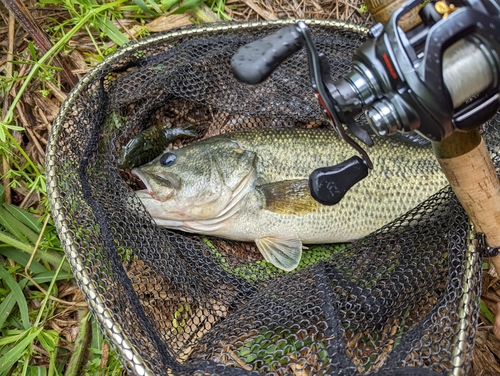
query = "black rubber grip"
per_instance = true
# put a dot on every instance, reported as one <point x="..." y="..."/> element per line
<point x="329" y="184"/>
<point x="255" y="61"/>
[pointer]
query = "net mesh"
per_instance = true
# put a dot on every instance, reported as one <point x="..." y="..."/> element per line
<point x="402" y="301"/>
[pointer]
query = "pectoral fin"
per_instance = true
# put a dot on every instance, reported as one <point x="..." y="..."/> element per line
<point x="289" y="197"/>
<point x="284" y="253"/>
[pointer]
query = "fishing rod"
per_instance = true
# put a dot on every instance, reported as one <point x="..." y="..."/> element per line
<point x="431" y="68"/>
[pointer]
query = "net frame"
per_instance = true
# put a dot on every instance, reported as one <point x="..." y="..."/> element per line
<point x="132" y="357"/>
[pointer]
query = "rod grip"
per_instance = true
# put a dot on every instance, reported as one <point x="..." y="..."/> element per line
<point x="474" y="180"/>
<point x="381" y="10"/>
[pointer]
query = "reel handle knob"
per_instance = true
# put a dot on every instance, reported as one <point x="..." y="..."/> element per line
<point x="328" y="185"/>
<point x="254" y="62"/>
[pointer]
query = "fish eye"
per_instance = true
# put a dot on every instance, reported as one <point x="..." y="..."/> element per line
<point x="168" y="159"/>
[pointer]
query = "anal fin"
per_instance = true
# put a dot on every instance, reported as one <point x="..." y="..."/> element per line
<point x="284" y="253"/>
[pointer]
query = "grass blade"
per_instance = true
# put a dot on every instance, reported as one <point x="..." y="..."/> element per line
<point x="8" y="304"/>
<point x="141" y="4"/>
<point x="186" y="5"/>
<point x="154" y="5"/>
<point x="97" y="336"/>
<point x="22" y="259"/>
<point x="49" y="292"/>
<point x="106" y="26"/>
<point x="6" y="308"/>
<point x="18" y="295"/>
<point x="12" y="336"/>
<point x="9" y="223"/>
<point x="48" y="339"/>
<point x="48" y="276"/>
<point x="50" y="256"/>
<point x="24" y="217"/>
<point x="37" y="371"/>
<point x="483" y="308"/>
<point x="203" y="13"/>
<point x="8" y="239"/>
<point x="170" y="4"/>
<point x="16" y="228"/>
<point x="53" y="363"/>
<point x="13" y="355"/>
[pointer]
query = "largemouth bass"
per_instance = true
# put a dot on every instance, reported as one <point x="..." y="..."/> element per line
<point x="253" y="186"/>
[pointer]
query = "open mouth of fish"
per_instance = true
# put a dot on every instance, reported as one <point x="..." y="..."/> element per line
<point x="141" y="181"/>
<point x="164" y="180"/>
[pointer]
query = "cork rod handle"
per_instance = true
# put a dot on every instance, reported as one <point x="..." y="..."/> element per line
<point x="468" y="167"/>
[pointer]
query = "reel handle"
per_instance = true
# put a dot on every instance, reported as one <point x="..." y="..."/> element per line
<point x="328" y="185"/>
<point x="254" y="62"/>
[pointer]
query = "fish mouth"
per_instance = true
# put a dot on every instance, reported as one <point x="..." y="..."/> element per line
<point x="168" y="184"/>
<point x="142" y="179"/>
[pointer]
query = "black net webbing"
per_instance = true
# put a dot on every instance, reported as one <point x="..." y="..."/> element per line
<point x="402" y="301"/>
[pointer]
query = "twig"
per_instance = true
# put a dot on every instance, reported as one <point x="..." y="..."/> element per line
<point x="82" y="70"/>
<point x="34" y="138"/>
<point x="27" y="126"/>
<point x="104" y="355"/>
<point x="261" y="12"/>
<point x="132" y="36"/>
<point x="21" y="73"/>
<point x="46" y="122"/>
<point x="317" y="6"/>
<point x="26" y="201"/>
<point x="283" y="8"/>
<point x="354" y="10"/>
<point x="27" y="21"/>
<point x="56" y="91"/>
<point x="8" y="69"/>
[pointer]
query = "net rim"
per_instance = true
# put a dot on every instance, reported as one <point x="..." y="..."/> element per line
<point x="113" y="330"/>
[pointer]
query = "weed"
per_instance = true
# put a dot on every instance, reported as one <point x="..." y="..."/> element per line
<point x="219" y="7"/>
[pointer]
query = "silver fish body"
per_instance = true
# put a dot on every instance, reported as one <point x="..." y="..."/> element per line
<point x="253" y="186"/>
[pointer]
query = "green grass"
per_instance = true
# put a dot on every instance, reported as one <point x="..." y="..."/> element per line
<point x="33" y="268"/>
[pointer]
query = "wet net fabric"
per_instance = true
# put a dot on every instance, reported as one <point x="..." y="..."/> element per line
<point x="402" y="301"/>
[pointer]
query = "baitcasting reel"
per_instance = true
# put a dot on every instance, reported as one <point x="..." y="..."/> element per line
<point x="441" y="76"/>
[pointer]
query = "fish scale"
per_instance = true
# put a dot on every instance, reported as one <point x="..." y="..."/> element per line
<point x="268" y="201"/>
